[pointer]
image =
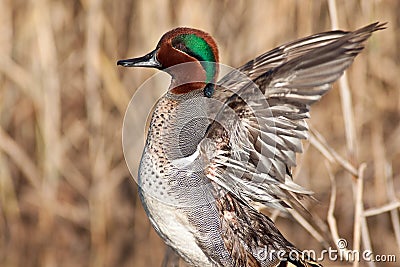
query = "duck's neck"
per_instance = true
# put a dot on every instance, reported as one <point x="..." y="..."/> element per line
<point x="192" y="76"/>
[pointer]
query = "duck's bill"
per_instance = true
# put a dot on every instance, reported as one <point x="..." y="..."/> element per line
<point x="147" y="61"/>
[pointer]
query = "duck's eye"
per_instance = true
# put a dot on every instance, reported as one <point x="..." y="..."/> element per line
<point x="180" y="46"/>
<point x="194" y="46"/>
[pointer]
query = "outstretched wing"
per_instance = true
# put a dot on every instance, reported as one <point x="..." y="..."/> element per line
<point x="277" y="56"/>
<point x="250" y="147"/>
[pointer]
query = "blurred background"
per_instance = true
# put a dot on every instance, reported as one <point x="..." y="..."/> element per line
<point x="66" y="195"/>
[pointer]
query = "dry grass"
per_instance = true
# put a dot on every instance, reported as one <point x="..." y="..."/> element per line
<point x="66" y="196"/>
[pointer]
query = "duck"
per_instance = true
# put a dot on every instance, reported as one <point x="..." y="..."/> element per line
<point x="219" y="150"/>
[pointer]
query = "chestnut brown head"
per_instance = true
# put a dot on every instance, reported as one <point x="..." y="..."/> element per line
<point x="181" y="46"/>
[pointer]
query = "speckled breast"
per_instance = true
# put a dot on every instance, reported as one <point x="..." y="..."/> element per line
<point x="179" y="201"/>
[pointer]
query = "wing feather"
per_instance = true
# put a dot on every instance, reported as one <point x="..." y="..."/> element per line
<point x="251" y="146"/>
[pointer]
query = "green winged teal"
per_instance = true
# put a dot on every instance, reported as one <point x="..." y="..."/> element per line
<point x="219" y="150"/>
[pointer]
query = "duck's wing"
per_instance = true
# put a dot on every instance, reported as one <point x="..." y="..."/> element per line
<point x="251" y="146"/>
<point x="234" y="80"/>
<point x="252" y="238"/>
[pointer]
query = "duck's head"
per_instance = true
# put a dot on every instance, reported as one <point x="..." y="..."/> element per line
<point x="178" y="46"/>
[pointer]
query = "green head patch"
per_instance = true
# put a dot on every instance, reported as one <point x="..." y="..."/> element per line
<point x="198" y="48"/>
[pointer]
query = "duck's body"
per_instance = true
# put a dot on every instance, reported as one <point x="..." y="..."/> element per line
<point x="178" y="215"/>
<point x="206" y="167"/>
